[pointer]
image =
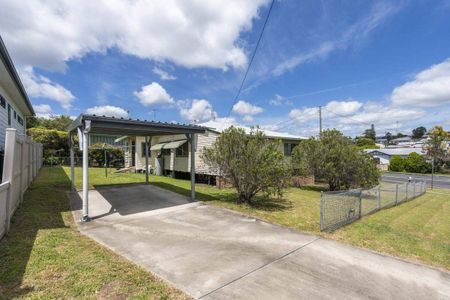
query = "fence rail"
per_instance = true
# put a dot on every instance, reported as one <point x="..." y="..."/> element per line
<point x="343" y="207"/>
<point x="22" y="161"/>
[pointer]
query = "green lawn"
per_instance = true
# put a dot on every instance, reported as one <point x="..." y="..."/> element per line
<point x="45" y="257"/>
<point x="417" y="230"/>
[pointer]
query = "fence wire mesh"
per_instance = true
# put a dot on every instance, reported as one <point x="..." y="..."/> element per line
<point x="343" y="207"/>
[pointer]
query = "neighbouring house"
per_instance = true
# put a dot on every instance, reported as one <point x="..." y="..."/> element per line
<point x="173" y="151"/>
<point x="15" y="106"/>
<point x="384" y="155"/>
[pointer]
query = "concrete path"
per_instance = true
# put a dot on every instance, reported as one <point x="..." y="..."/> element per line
<point x="214" y="253"/>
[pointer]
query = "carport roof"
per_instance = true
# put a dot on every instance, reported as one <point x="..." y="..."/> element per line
<point x="133" y="127"/>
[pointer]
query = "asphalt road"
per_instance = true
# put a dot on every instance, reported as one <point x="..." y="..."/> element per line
<point x="439" y="181"/>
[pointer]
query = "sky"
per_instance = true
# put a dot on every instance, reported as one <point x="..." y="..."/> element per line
<point x="385" y="63"/>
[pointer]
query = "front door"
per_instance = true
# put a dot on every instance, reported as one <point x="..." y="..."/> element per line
<point x="133" y="153"/>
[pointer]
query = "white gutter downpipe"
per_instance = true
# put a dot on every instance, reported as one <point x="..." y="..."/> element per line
<point x="86" y="130"/>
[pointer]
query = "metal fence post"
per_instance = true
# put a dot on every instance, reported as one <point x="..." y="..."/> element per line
<point x="396" y="194"/>
<point x="414" y="189"/>
<point x="379" y="198"/>
<point x="360" y="203"/>
<point x="321" y="210"/>
<point x="407" y="187"/>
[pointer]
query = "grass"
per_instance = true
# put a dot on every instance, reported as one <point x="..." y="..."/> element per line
<point x="417" y="230"/>
<point x="45" y="257"/>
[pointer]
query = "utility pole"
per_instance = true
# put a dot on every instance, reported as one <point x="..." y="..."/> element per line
<point x="320" y="121"/>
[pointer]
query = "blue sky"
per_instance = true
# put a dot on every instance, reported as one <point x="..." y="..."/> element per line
<point x="381" y="62"/>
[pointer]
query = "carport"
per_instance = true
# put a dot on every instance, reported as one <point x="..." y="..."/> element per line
<point x="86" y="124"/>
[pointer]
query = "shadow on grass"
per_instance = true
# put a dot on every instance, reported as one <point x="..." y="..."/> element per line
<point x="44" y="201"/>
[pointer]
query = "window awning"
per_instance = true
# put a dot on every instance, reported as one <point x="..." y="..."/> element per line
<point x="167" y="145"/>
<point x="174" y="145"/>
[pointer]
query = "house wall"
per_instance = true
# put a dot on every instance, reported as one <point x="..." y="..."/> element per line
<point x="21" y="129"/>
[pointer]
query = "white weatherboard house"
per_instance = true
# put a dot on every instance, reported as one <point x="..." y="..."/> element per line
<point x="385" y="155"/>
<point x="15" y="106"/>
<point x="174" y="150"/>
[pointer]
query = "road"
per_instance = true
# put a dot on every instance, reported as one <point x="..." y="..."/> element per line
<point x="439" y="181"/>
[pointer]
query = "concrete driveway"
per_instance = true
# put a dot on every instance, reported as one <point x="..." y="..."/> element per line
<point x="214" y="253"/>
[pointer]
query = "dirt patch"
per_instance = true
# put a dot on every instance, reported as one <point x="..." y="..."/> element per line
<point x="111" y="291"/>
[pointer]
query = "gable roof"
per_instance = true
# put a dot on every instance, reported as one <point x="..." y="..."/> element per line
<point x="397" y="151"/>
<point x="219" y="126"/>
<point x="6" y="59"/>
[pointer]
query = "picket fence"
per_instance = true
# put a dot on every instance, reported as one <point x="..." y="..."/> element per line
<point x="22" y="161"/>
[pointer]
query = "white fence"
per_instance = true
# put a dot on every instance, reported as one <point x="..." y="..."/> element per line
<point x="22" y="161"/>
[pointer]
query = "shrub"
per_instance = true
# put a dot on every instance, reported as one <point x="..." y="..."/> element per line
<point x="416" y="163"/>
<point x="397" y="164"/>
<point x="251" y="162"/>
<point x="335" y="159"/>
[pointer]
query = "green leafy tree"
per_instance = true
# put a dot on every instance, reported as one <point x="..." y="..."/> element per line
<point x="416" y="163"/>
<point x="436" y="146"/>
<point x="55" y="142"/>
<point x="60" y="123"/>
<point x="397" y="164"/>
<point x="335" y="159"/>
<point x="99" y="152"/>
<point x="370" y="133"/>
<point x="388" y="136"/>
<point x="251" y="162"/>
<point x="366" y="143"/>
<point x="419" y="132"/>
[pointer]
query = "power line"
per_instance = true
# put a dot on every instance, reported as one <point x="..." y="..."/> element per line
<point x="253" y="56"/>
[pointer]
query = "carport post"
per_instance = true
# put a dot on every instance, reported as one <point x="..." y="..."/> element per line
<point x="72" y="163"/>
<point x="86" y="170"/>
<point x="146" y="159"/>
<point x="192" y="140"/>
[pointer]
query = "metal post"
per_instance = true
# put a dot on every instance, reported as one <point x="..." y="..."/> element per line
<point x="321" y="210"/>
<point x="8" y="171"/>
<point x="192" y="140"/>
<point x="85" y="171"/>
<point x="414" y="189"/>
<point x="396" y="194"/>
<point x="146" y="160"/>
<point x="72" y="163"/>
<point x="360" y="203"/>
<point x="379" y="197"/>
<point x="407" y="187"/>
<point x="432" y="172"/>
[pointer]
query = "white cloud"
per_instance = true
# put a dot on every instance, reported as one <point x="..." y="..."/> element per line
<point x="197" y="110"/>
<point x="351" y="117"/>
<point x="47" y="34"/>
<point x="247" y="119"/>
<point x="245" y="108"/>
<point x="39" y="86"/>
<point x="430" y="87"/>
<point x="108" y="110"/>
<point x="279" y="100"/>
<point x="153" y="94"/>
<point x="163" y="74"/>
<point x="42" y="108"/>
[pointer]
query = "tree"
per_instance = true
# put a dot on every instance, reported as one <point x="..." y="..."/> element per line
<point x="419" y="132"/>
<point x="416" y="163"/>
<point x="370" y="133"/>
<point x="436" y="146"/>
<point x="337" y="160"/>
<point x="60" y="123"/>
<point x="397" y="164"/>
<point x="251" y="162"/>
<point x="114" y="155"/>
<point x="388" y="136"/>
<point x="366" y="143"/>
<point x="55" y="142"/>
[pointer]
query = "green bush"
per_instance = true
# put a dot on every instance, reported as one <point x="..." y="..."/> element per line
<point x="397" y="164"/>
<point x="114" y="156"/>
<point x="55" y="142"/>
<point x="416" y="163"/>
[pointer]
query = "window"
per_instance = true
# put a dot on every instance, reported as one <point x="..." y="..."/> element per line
<point x="165" y="152"/>
<point x="183" y="150"/>
<point x="2" y="101"/>
<point x="9" y="115"/>
<point x="20" y="120"/>
<point x="143" y="150"/>
<point x="288" y="148"/>
<point x="15" y="115"/>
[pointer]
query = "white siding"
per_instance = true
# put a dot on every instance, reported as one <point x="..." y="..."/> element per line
<point x="21" y="129"/>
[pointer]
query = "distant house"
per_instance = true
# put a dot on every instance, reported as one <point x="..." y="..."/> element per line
<point x="174" y="150"/>
<point x="384" y="155"/>
<point x="15" y="106"/>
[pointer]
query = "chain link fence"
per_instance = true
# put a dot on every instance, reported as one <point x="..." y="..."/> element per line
<point x="343" y="207"/>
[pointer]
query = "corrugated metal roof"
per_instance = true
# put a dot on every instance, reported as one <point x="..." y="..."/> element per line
<point x="221" y="126"/>
<point x="397" y="151"/>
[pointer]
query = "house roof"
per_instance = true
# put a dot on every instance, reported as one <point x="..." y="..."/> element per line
<point x="396" y="151"/>
<point x="133" y="127"/>
<point x="6" y="59"/>
<point x="219" y="126"/>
